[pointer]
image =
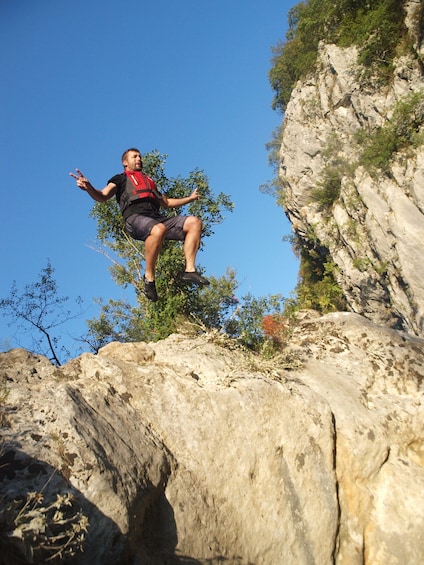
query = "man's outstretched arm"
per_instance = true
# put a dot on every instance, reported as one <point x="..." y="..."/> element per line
<point x="99" y="195"/>
<point x="177" y="202"/>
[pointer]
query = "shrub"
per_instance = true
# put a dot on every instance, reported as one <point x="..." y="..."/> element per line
<point x="317" y="288"/>
<point x="400" y="132"/>
<point x="328" y="189"/>
<point x="276" y="328"/>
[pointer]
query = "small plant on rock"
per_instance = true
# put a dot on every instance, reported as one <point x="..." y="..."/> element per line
<point x="32" y="531"/>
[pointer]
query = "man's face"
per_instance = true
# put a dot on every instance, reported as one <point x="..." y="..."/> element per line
<point x="133" y="161"/>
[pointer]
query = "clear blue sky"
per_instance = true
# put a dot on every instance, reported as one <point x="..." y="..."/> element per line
<point x="82" y="80"/>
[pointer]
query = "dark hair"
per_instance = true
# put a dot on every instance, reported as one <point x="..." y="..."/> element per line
<point x="125" y="153"/>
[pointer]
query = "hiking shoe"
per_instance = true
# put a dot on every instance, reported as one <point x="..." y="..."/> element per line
<point x="194" y="278"/>
<point x="150" y="290"/>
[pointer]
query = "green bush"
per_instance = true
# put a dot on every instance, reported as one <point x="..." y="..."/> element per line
<point x="328" y="189"/>
<point x="400" y="132"/>
<point x="317" y="288"/>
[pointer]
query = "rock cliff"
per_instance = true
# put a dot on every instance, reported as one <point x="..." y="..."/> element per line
<point x="191" y="450"/>
<point x="373" y="231"/>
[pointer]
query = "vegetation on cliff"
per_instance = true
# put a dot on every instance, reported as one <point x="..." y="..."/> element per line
<point x="376" y="28"/>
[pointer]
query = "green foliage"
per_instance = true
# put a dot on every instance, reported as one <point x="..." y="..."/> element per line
<point x="309" y="22"/>
<point x="37" y="312"/>
<point x="275" y="186"/>
<point x="152" y="321"/>
<point x="379" y="31"/>
<point x="400" y="132"/>
<point x="328" y="189"/>
<point x="323" y="294"/>
<point x="377" y="28"/>
<point x="215" y="303"/>
<point x="317" y="288"/>
<point x="209" y="208"/>
<point x="361" y="263"/>
<point x="212" y="308"/>
<point x="336" y="168"/>
<point x="117" y="321"/>
<point x="246" y="324"/>
<point x="364" y="264"/>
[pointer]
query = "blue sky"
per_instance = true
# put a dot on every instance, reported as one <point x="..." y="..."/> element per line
<point x="85" y="79"/>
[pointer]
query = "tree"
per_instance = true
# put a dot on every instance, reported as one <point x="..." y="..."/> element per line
<point x="38" y="311"/>
<point x="145" y="321"/>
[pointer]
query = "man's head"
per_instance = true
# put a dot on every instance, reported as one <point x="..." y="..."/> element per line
<point x="131" y="159"/>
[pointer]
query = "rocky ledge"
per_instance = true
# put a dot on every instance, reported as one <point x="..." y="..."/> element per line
<point x="191" y="450"/>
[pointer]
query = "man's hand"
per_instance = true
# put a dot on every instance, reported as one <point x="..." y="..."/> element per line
<point x="195" y="195"/>
<point x="82" y="181"/>
<point x="97" y="195"/>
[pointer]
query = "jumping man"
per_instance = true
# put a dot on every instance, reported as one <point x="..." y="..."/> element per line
<point x="140" y="204"/>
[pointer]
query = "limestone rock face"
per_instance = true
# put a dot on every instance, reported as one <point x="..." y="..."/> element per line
<point x="192" y="451"/>
<point x="374" y="232"/>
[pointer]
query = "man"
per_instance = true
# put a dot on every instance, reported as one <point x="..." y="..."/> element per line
<point x="140" y="204"/>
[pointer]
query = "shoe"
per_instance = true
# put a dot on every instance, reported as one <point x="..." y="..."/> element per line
<point x="194" y="278"/>
<point x="150" y="290"/>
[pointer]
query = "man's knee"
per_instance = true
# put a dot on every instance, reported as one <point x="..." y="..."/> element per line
<point x="158" y="231"/>
<point x="192" y="223"/>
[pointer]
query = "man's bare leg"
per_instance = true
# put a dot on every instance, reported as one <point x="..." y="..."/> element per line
<point x="193" y="231"/>
<point x="152" y="247"/>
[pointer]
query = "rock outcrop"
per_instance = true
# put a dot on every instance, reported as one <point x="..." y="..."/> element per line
<point x="374" y="231"/>
<point x="191" y="450"/>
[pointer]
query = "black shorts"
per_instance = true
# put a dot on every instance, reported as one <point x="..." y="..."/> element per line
<point x="139" y="227"/>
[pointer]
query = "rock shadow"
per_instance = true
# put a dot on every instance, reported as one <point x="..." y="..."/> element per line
<point x="151" y="542"/>
<point x="21" y="474"/>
